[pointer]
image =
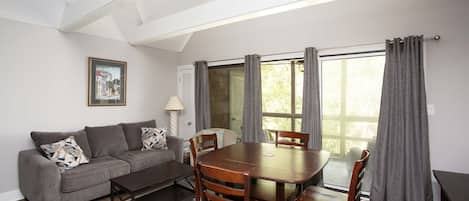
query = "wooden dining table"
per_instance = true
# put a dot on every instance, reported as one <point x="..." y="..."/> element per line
<point x="283" y="165"/>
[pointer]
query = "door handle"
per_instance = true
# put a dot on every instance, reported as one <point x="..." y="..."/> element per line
<point x="189" y="123"/>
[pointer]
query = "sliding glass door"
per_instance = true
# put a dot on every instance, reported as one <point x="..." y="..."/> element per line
<point x="226" y="96"/>
<point x="351" y="94"/>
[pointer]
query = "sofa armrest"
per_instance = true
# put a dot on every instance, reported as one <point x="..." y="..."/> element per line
<point x="39" y="178"/>
<point x="177" y="145"/>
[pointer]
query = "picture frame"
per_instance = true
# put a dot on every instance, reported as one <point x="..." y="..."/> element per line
<point x="107" y="82"/>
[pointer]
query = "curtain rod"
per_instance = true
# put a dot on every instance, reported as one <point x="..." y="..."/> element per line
<point x="433" y="38"/>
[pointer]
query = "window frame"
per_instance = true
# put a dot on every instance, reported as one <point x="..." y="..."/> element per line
<point x="293" y="115"/>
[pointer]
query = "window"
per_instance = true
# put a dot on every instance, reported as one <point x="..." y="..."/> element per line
<point x="351" y="94"/>
<point x="282" y="94"/>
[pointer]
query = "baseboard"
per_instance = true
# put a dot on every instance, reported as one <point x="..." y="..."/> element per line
<point x="13" y="195"/>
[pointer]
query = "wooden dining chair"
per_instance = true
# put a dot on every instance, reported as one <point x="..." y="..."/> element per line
<point x="201" y="144"/>
<point x="223" y="185"/>
<point x="296" y="139"/>
<point x="313" y="193"/>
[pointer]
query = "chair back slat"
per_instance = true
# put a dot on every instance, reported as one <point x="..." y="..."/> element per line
<point x="358" y="187"/>
<point x="357" y="197"/>
<point x="357" y="176"/>
<point x="202" y="143"/>
<point x="230" y="137"/>
<point x="219" y="184"/>
<point x="213" y="197"/>
<point x="219" y="188"/>
<point x="303" y="139"/>
<point x="223" y="175"/>
<point x="362" y="173"/>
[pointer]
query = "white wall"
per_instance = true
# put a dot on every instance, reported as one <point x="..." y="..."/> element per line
<point x="345" y="23"/>
<point x="43" y="86"/>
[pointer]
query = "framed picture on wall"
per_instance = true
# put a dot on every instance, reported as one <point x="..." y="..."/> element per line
<point x="107" y="82"/>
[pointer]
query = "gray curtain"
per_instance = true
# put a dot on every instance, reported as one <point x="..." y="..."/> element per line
<point x="311" y="110"/>
<point x="402" y="161"/>
<point x="202" y="96"/>
<point x="252" y="108"/>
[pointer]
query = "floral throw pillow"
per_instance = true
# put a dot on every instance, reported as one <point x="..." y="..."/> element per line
<point x="65" y="153"/>
<point x="154" y="138"/>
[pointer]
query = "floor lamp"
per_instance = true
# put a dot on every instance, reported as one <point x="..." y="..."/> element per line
<point x="173" y="107"/>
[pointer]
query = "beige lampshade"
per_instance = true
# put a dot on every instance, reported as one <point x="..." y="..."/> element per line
<point x="174" y="103"/>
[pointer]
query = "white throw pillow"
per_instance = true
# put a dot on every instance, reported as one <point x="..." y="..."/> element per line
<point x="65" y="153"/>
<point x="154" y="138"/>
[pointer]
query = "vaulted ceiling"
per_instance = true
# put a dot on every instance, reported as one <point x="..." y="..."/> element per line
<point x="164" y="24"/>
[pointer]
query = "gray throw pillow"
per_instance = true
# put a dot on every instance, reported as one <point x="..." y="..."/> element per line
<point x="106" y="140"/>
<point x="81" y="138"/>
<point x="133" y="133"/>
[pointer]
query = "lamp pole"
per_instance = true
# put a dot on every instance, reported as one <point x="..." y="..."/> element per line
<point x="173" y="107"/>
<point x="173" y="122"/>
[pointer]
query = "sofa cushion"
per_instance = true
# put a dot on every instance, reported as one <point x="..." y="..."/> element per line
<point x="133" y="133"/>
<point x="140" y="160"/>
<point x="41" y="138"/>
<point x="98" y="171"/>
<point x="106" y="140"/>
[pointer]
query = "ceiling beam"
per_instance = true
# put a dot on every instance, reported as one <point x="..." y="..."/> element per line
<point x="212" y="14"/>
<point x="175" y="44"/>
<point x="81" y="13"/>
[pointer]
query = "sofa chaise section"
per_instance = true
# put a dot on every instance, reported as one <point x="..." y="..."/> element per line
<point x="39" y="178"/>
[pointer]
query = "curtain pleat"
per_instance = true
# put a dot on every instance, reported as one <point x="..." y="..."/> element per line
<point x="202" y="96"/>
<point x="311" y="109"/>
<point x="252" y="107"/>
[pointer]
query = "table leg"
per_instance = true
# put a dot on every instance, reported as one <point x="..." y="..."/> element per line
<point x="189" y="183"/>
<point x="198" y="195"/>
<point x="112" y="191"/>
<point x="280" y="191"/>
<point x="299" y="189"/>
<point x="132" y="197"/>
<point x="443" y="195"/>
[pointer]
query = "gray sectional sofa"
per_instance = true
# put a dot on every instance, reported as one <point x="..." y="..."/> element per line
<point x="114" y="151"/>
